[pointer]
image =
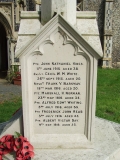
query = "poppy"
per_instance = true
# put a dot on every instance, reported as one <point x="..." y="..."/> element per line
<point x="19" y="142"/>
<point x="27" y="147"/>
<point x="8" y="142"/>
<point x="23" y="148"/>
<point x="26" y="156"/>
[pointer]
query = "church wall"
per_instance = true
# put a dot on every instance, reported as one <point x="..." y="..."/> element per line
<point x="99" y="7"/>
<point x="116" y="33"/>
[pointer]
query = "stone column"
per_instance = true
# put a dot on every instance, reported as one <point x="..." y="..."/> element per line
<point x="8" y="51"/>
<point x="13" y="45"/>
<point x="67" y="8"/>
<point x="107" y="53"/>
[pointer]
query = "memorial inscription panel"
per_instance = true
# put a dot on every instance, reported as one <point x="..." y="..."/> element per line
<point x="59" y="94"/>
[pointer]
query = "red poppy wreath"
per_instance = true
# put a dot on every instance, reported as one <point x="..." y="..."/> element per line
<point x="17" y="143"/>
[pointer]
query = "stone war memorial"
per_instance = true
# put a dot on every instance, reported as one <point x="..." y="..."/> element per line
<point x="59" y="87"/>
<point x="58" y="53"/>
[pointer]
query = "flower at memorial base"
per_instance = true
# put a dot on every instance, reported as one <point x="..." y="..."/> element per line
<point x="25" y="151"/>
<point x="26" y="156"/>
<point x="19" y="155"/>
<point x="27" y="147"/>
<point x="7" y="144"/>
<point x="17" y="143"/>
<point x="3" y="150"/>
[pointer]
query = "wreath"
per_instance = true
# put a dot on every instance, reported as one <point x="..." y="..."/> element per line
<point x="17" y="143"/>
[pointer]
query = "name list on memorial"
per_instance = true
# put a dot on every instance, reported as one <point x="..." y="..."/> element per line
<point x="59" y="93"/>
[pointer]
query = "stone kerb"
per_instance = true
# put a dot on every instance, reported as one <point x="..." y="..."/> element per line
<point x="59" y="87"/>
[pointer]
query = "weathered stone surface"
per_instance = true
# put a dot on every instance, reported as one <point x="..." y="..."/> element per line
<point x="23" y="40"/>
<point x="29" y="26"/>
<point x="106" y="136"/>
<point x="87" y="27"/>
<point x="94" y="41"/>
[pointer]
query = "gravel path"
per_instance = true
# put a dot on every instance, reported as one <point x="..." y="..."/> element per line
<point x="8" y="91"/>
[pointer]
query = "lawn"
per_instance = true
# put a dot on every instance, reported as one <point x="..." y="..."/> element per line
<point x="107" y="104"/>
<point x="108" y="94"/>
<point x="7" y="108"/>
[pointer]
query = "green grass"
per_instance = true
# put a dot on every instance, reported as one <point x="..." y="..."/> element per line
<point x="8" y="108"/>
<point x="108" y="94"/>
<point x="107" y="103"/>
